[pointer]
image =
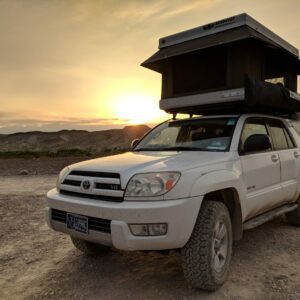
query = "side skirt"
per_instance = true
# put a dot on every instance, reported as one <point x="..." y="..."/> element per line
<point x="265" y="217"/>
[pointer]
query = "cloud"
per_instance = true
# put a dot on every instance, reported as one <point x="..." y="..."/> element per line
<point x="67" y="58"/>
<point x="188" y="7"/>
<point x="60" y="50"/>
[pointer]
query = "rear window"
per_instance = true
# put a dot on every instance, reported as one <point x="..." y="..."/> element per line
<point x="296" y="125"/>
<point x="280" y="136"/>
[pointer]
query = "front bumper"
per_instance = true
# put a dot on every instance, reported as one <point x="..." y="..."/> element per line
<point x="180" y="215"/>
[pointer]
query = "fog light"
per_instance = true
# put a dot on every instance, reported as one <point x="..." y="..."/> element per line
<point x="158" y="229"/>
<point x="139" y="229"/>
<point x="148" y="229"/>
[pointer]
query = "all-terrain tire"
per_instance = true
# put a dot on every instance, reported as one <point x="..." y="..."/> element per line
<point x="293" y="217"/>
<point x="198" y="255"/>
<point x="89" y="248"/>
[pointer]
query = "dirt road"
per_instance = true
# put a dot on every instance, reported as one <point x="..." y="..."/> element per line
<point x="37" y="263"/>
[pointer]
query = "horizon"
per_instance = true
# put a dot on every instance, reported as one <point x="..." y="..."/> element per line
<point x="76" y="64"/>
<point x="104" y="128"/>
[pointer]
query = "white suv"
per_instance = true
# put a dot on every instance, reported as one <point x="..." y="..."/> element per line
<point x="191" y="184"/>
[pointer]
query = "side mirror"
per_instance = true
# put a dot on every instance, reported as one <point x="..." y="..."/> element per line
<point x="256" y="143"/>
<point x="134" y="143"/>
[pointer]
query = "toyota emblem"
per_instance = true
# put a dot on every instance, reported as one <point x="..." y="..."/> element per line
<point x="86" y="184"/>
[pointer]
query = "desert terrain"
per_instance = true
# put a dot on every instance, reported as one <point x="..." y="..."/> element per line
<point x="38" y="263"/>
<point x="85" y="142"/>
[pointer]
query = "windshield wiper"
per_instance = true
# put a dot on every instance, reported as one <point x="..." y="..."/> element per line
<point x="179" y="148"/>
<point x="148" y="149"/>
<point x="175" y="148"/>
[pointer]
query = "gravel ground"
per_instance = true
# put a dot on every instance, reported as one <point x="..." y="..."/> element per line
<point x="37" y="166"/>
<point x="38" y="263"/>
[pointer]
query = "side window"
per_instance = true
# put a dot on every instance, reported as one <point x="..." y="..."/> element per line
<point x="252" y="126"/>
<point x="279" y="134"/>
<point x="296" y="125"/>
<point x="289" y="139"/>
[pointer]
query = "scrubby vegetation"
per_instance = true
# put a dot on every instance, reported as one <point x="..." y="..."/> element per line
<point x="58" y="153"/>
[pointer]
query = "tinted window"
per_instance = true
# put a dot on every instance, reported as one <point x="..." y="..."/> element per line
<point x="296" y="125"/>
<point x="252" y="126"/>
<point x="278" y="134"/>
<point x="289" y="140"/>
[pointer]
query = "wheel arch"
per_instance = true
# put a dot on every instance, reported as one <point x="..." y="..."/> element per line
<point x="230" y="198"/>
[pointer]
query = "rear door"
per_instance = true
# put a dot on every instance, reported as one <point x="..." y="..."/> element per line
<point x="289" y="156"/>
<point x="261" y="171"/>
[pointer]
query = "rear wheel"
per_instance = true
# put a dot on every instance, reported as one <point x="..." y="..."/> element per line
<point x="206" y="257"/>
<point x="293" y="217"/>
<point x="89" y="248"/>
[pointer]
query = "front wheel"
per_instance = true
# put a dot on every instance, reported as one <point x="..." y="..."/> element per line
<point x="206" y="256"/>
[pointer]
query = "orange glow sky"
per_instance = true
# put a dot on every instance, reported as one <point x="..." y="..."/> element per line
<point x="75" y="64"/>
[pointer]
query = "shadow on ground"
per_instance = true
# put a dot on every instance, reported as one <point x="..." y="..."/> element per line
<point x="37" y="263"/>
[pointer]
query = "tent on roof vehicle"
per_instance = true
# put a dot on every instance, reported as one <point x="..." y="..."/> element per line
<point x="232" y="65"/>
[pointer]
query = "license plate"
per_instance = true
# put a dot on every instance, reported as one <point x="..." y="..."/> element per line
<point x="77" y="223"/>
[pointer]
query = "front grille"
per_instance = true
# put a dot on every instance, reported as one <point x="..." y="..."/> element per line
<point x="72" y="182"/>
<point x="94" y="185"/>
<point x="59" y="215"/>
<point x="97" y="224"/>
<point x="100" y="186"/>
<point x="107" y="186"/>
<point x="95" y="174"/>
<point x="91" y="196"/>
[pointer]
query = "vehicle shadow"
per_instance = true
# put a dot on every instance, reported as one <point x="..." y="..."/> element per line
<point x="258" y="271"/>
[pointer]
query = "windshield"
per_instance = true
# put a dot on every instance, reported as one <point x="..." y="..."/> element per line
<point x="211" y="134"/>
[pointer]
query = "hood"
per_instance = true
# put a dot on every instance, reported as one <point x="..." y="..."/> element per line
<point x="131" y="163"/>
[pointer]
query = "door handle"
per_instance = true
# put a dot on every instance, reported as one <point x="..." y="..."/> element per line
<point x="274" y="158"/>
<point x="296" y="154"/>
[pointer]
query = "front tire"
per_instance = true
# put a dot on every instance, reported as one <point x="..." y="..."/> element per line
<point x="206" y="256"/>
<point x="87" y="247"/>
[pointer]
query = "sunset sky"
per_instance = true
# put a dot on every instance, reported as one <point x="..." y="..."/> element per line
<point x="75" y="64"/>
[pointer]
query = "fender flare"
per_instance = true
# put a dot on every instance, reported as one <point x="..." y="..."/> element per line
<point x="220" y="180"/>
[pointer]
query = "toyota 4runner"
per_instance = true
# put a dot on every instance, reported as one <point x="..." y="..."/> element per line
<point x="192" y="185"/>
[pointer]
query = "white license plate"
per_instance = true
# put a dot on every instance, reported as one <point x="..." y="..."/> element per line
<point x="78" y="223"/>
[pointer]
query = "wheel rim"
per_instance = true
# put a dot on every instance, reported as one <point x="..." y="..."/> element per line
<point x="219" y="246"/>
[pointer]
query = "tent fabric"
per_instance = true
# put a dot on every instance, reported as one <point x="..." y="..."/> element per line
<point x="259" y="97"/>
<point x="267" y="97"/>
<point x="225" y="37"/>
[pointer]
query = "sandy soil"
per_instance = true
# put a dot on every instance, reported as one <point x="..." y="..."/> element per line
<point x="37" y="166"/>
<point x="37" y="263"/>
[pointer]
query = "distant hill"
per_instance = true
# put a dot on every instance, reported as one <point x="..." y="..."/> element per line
<point x="91" y="142"/>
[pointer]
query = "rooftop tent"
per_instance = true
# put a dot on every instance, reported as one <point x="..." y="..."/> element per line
<point x="216" y="57"/>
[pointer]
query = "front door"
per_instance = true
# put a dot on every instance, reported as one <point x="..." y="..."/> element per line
<point x="261" y="172"/>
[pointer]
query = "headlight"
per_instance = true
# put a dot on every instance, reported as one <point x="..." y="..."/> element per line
<point x="151" y="184"/>
<point x="62" y="176"/>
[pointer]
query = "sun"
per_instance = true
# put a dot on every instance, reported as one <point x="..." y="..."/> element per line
<point x="137" y="108"/>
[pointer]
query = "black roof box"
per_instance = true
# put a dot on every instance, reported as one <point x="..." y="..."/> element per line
<point x="214" y="59"/>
